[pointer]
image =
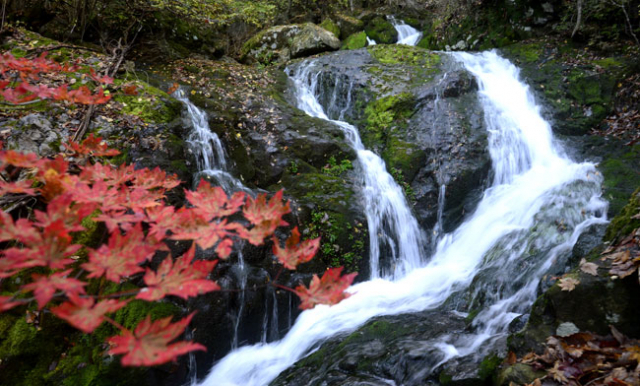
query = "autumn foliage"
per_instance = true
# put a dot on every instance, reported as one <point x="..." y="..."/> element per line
<point x="19" y="78"/>
<point x="56" y="271"/>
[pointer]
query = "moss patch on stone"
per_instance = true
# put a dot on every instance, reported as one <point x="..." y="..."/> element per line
<point x="381" y="31"/>
<point x="624" y="223"/>
<point x="355" y="41"/>
<point x="151" y="104"/>
<point x="331" y="26"/>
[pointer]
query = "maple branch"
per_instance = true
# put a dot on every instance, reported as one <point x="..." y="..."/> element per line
<point x="114" y="323"/>
<point x="284" y="287"/>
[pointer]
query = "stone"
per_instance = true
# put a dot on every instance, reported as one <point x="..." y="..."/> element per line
<point x="313" y="40"/>
<point x="280" y="43"/>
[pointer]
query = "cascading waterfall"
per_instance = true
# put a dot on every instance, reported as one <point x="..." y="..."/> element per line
<point x="207" y="148"/>
<point x="391" y="224"/>
<point x="406" y="33"/>
<point x="510" y="240"/>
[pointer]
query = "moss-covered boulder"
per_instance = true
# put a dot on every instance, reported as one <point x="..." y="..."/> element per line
<point x="356" y="41"/>
<point x="313" y="40"/>
<point x="396" y="95"/>
<point x="348" y="25"/>
<point x="281" y="43"/>
<point x="381" y="30"/>
<point x="331" y="26"/>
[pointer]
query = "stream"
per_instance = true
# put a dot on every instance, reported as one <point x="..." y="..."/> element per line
<point x="503" y="248"/>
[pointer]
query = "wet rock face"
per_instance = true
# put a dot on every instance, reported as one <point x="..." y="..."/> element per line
<point x="419" y="111"/>
<point x="395" y="348"/>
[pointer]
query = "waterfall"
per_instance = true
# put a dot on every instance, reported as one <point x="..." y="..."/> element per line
<point x="512" y="238"/>
<point x="371" y="42"/>
<point x="206" y="147"/>
<point x="406" y="33"/>
<point x="392" y="227"/>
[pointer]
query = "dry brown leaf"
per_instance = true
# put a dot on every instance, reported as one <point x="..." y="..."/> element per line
<point x="590" y="268"/>
<point x="568" y="284"/>
<point x="511" y="358"/>
<point x="557" y="374"/>
<point x="620" y="257"/>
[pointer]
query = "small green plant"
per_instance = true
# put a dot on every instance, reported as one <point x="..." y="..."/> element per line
<point x="293" y="167"/>
<point x="335" y="169"/>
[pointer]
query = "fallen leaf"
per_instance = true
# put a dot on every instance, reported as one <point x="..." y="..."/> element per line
<point x="590" y="268"/>
<point x="568" y="284"/>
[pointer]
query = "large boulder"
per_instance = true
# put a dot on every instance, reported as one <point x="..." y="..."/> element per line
<point x="281" y="43"/>
<point x="313" y="40"/>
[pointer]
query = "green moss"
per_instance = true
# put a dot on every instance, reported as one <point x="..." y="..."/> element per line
<point x="19" y="52"/>
<point x="444" y="378"/>
<point x="151" y="104"/>
<point x="624" y="223"/>
<point x="488" y="366"/>
<point x="137" y="310"/>
<point x="621" y="176"/>
<point x="330" y="26"/>
<point x="381" y="31"/>
<point x="333" y="168"/>
<point x="355" y="41"/>
<point x="402" y="54"/>
<point x="334" y="231"/>
<point x="383" y="114"/>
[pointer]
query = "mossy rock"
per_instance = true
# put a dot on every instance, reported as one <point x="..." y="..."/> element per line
<point x="331" y="26"/>
<point x="621" y="176"/>
<point x="151" y="104"/>
<point x="625" y="222"/>
<point x="519" y="374"/>
<point x="348" y="25"/>
<point x="381" y="31"/>
<point x="355" y="41"/>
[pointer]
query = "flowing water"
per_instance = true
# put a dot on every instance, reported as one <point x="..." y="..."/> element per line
<point x="539" y="203"/>
<point x="406" y="33"/>
<point x="392" y="228"/>
<point x="206" y="147"/>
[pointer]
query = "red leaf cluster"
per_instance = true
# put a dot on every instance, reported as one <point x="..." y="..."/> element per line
<point x="17" y="75"/>
<point x="131" y="204"/>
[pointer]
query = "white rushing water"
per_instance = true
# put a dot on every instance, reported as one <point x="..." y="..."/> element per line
<point x="207" y="148"/>
<point x="392" y="227"/>
<point x="406" y="33"/>
<point x="513" y="236"/>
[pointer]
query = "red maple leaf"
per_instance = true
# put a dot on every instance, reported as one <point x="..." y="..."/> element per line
<point x="266" y="217"/>
<point x="92" y="146"/>
<point x="122" y="255"/>
<point x="213" y="201"/>
<point x="184" y="278"/>
<point x="62" y="208"/>
<point x="19" y="187"/>
<point x="155" y="178"/>
<point x="51" y="248"/>
<point x="328" y="290"/>
<point x="84" y="313"/>
<point x="17" y="159"/>
<point x="260" y="210"/>
<point x="44" y="287"/>
<point x="189" y="224"/>
<point x="150" y="343"/>
<point x="295" y="252"/>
